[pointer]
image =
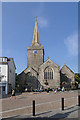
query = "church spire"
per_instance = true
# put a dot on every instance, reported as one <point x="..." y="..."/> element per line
<point x="36" y="39"/>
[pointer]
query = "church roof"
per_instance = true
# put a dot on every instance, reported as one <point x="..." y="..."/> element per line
<point x="30" y="68"/>
<point x="36" y="39"/>
<point x="27" y="69"/>
<point x="67" y="67"/>
<point x="48" y="60"/>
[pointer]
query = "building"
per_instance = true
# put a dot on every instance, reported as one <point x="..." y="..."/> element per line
<point x="66" y="76"/>
<point x="7" y="75"/>
<point x="39" y="74"/>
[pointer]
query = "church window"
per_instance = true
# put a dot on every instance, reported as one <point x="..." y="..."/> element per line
<point x="52" y="75"/>
<point x="48" y="73"/>
<point x="45" y="75"/>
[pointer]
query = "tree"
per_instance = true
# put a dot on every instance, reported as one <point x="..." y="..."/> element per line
<point x="16" y="81"/>
<point x="77" y="77"/>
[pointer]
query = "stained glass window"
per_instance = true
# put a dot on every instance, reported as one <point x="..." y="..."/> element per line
<point x="48" y="73"/>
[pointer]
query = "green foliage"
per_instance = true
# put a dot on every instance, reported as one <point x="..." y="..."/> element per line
<point x="16" y="81"/>
<point x="64" y="82"/>
<point x="77" y="77"/>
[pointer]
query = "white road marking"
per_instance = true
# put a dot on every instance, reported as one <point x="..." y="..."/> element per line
<point x="30" y="115"/>
<point x="70" y="98"/>
<point x="35" y="105"/>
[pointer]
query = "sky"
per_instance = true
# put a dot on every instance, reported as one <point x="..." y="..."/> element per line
<point x="58" y="31"/>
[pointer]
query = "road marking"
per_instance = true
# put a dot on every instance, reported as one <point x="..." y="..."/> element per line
<point x="16" y="109"/>
<point x="70" y="98"/>
<point x="35" y="105"/>
<point x="30" y="115"/>
<point x="28" y="106"/>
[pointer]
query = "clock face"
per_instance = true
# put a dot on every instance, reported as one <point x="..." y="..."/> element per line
<point x="35" y="51"/>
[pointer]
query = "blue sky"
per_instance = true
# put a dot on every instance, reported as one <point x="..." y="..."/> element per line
<point x="58" y="31"/>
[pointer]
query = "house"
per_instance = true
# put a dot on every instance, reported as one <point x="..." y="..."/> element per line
<point x="7" y="75"/>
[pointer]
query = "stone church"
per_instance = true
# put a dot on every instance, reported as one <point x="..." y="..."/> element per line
<point x="40" y="74"/>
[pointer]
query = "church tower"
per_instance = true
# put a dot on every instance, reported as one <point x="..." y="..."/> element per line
<point x="35" y="53"/>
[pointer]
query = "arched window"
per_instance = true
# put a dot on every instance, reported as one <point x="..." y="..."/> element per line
<point x="48" y="73"/>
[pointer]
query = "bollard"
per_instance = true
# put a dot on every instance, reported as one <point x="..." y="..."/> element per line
<point x="62" y="103"/>
<point x="33" y="107"/>
<point x="79" y="100"/>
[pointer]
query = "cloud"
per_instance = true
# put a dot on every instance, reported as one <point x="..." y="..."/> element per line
<point x="42" y="22"/>
<point x="71" y="43"/>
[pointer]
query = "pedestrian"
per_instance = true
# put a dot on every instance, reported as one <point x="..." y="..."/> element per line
<point x="55" y="91"/>
<point x="31" y="89"/>
<point x="13" y="94"/>
<point x="26" y="90"/>
<point x="63" y="89"/>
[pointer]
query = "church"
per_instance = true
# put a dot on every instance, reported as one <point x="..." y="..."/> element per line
<point x="41" y="74"/>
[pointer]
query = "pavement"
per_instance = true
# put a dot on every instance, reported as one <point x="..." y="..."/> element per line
<point x="69" y="112"/>
<point x="48" y="106"/>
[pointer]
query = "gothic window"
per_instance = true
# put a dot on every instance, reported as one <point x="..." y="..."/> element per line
<point x="48" y="73"/>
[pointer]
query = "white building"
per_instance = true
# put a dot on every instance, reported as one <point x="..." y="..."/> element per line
<point x="7" y="75"/>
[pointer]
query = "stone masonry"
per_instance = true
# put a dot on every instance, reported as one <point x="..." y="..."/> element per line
<point x="40" y="74"/>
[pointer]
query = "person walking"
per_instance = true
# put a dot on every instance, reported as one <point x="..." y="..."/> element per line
<point x="55" y="91"/>
<point x="13" y="94"/>
<point x="63" y="89"/>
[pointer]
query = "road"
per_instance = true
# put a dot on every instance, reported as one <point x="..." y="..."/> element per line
<point x="44" y="102"/>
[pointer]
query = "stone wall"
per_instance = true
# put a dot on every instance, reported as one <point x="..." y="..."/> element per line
<point x="28" y="79"/>
<point x="35" y="59"/>
<point x="53" y="83"/>
<point x="66" y="75"/>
